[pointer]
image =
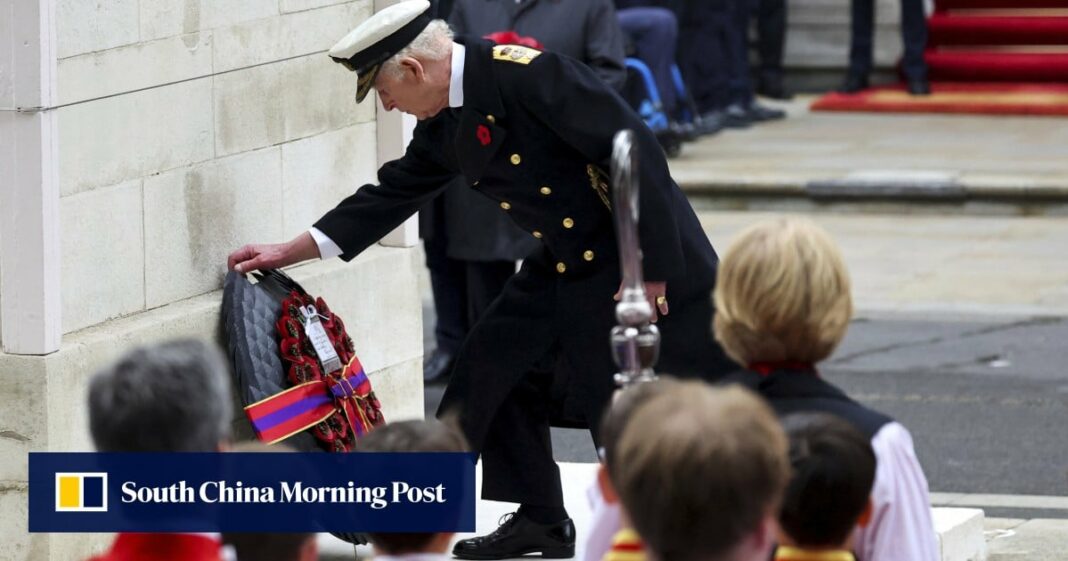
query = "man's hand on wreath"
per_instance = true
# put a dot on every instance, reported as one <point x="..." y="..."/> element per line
<point x="255" y="257"/>
<point x="656" y="294"/>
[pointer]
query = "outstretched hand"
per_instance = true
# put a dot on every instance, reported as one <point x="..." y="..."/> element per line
<point x="255" y="257"/>
<point x="656" y="294"/>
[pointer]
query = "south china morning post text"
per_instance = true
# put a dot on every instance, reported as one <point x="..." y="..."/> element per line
<point x="210" y="492"/>
<point x="252" y="492"/>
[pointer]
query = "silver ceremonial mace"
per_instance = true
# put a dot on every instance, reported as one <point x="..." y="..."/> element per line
<point x="635" y="341"/>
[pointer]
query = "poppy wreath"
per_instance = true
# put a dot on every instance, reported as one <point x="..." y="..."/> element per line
<point x="336" y="407"/>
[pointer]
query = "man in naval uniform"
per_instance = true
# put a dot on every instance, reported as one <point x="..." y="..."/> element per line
<point x="533" y="131"/>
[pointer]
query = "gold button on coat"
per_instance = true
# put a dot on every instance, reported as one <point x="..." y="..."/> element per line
<point x="569" y="223"/>
<point x="505" y="205"/>
<point x="491" y="118"/>
<point x="588" y="255"/>
<point x="536" y="234"/>
<point x="560" y="267"/>
<point x="545" y="191"/>
<point x="516" y="159"/>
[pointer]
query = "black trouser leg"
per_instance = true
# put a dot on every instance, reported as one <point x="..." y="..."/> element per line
<point x="771" y="32"/>
<point x="448" y="283"/>
<point x="740" y="84"/>
<point x="914" y="36"/>
<point x="862" y="41"/>
<point x="517" y="456"/>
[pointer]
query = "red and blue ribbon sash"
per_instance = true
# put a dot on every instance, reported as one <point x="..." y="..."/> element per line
<point x="286" y="413"/>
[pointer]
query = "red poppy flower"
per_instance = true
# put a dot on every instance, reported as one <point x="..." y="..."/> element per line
<point x="483" y="134"/>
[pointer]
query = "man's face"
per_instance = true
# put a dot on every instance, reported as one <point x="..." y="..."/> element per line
<point x="410" y="92"/>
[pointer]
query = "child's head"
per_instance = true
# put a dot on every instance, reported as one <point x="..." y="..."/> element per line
<point x="833" y="473"/>
<point x="412" y="436"/>
<point x="700" y="471"/>
<point x="782" y="294"/>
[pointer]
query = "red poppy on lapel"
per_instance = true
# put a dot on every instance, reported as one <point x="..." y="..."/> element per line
<point x="483" y="134"/>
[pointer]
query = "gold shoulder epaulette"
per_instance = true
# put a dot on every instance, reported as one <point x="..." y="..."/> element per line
<point x="515" y="53"/>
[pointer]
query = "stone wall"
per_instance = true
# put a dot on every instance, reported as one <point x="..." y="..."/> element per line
<point x="187" y="128"/>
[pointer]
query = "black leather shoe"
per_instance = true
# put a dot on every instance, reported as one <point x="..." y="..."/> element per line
<point x="709" y="123"/>
<point x="518" y="536"/>
<point x="759" y="113"/>
<point x="854" y="83"/>
<point x="771" y="85"/>
<point x="919" y="87"/>
<point x="736" y="117"/>
<point x="437" y="366"/>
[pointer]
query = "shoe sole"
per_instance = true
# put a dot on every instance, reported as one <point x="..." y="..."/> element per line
<point x="546" y="553"/>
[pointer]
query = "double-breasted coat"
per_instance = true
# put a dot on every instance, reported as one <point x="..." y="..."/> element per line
<point x="535" y="136"/>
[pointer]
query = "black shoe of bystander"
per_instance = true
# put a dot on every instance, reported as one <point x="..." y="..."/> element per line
<point x="759" y="113"/>
<point x="438" y="366"/>
<point x="736" y="117"/>
<point x="854" y="83"/>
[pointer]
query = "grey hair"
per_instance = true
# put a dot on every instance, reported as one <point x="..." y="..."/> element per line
<point x="171" y="397"/>
<point x="431" y="44"/>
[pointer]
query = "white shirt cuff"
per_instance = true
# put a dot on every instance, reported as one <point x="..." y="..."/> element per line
<point x="327" y="247"/>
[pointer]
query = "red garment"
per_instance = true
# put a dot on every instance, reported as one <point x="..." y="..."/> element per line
<point x="163" y="547"/>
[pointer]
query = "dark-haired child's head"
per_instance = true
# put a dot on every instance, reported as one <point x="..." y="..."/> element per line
<point x="833" y="473"/>
<point x="412" y="436"/>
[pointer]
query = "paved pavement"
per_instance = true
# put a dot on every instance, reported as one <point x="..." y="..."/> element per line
<point x="979" y="154"/>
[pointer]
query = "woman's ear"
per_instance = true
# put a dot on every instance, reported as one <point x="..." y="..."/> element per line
<point x="608" y="491"/>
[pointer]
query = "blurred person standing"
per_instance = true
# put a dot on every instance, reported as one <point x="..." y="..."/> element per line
<point x="171" y="397"/>
<point x="783" y="304"/>
<point x="862" y="44"/>
<point x="472" y="248"/>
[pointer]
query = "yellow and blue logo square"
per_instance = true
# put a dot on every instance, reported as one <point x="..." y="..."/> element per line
<point x="81" y="492"/>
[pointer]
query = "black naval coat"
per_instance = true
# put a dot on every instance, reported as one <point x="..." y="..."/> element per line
<point x="535" y="136"/>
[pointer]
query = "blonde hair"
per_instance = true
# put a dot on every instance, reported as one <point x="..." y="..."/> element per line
<point x="698" y="468"/>
<point x="432" y="43"/>
<point x="782" y="294"/>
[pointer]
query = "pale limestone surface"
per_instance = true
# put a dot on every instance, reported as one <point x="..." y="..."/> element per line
<point x="985" y="154"/>
<point x="319" y="171"/>
<point x="960" y="533"/>
<point x="133" y="67"/>
<point x="117" y="139"/>
<point x="103" y="255"/>
<point x="286" y="36"/>
<point x="195" y="216"/>
<point x="84" y="26"/>
<point x="166" y="18"/>
<point x="901" y="263"/>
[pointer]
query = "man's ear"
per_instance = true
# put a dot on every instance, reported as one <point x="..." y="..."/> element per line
<point x="608" y="491"/>
<point x="412" y="69"/>
<point x="865" y="517"/>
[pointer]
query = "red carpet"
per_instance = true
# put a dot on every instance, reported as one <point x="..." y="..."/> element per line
<point x="984" y="56"/>
<point x="980" y="99"/>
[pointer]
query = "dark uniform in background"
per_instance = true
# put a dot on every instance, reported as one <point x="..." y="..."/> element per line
<point x="535" y="136"/>
<point x="471" y="246"/>
<point x="913" y="35"/>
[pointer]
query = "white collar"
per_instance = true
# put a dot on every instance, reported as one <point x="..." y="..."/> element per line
<point x="456" y="81"/>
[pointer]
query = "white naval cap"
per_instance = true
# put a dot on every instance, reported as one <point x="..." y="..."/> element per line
<point x="378" y="38"/>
